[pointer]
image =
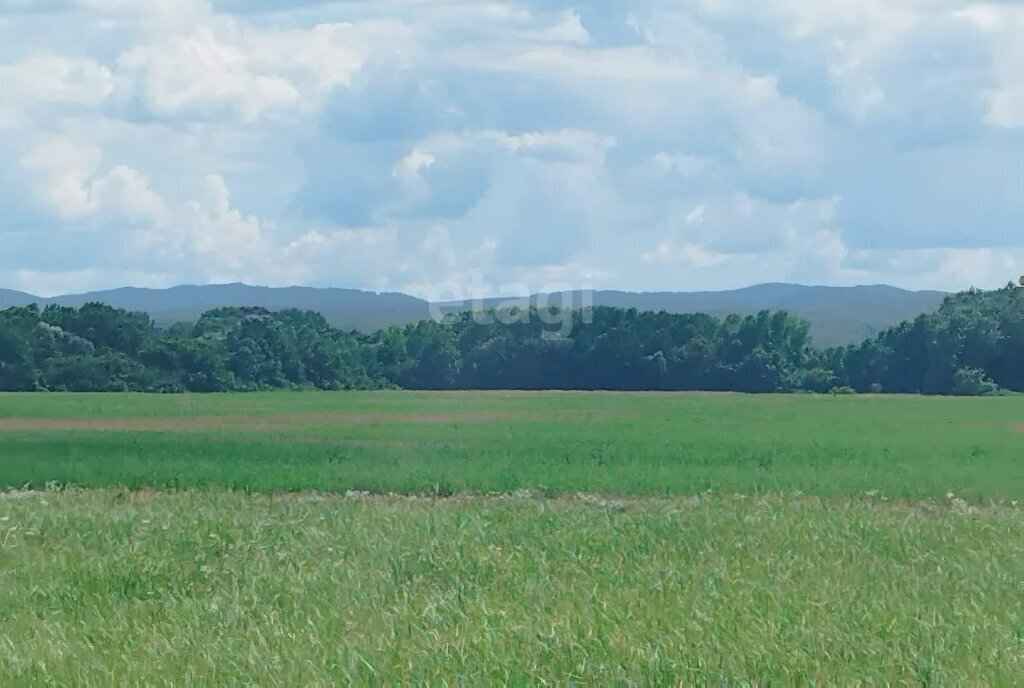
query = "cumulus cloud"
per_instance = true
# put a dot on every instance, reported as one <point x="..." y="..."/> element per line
<point x="203" y="233"/>
<point x="566" y="28"/>
<point x="69" y="182"/>
<point x="685" y="254"/>
<point x="74" y="184"/>
<point x="682" y="164"/>
<point x="229" y="67"/>
<point x="568" y="145"/>
<point x="55" y="79"/>
<point x="153" y="15"/>
<point x="750" y="234"/>
<point x="1002" y="25"/>
<point x="408" y="144"/>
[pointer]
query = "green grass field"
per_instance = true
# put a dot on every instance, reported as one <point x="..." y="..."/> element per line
<point x="652" y="444"/>
<point x="630" y="539"/>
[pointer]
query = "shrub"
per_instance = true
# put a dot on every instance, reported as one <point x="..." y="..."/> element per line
<point x="969" y="382"/>
<point x="819" y="380"/>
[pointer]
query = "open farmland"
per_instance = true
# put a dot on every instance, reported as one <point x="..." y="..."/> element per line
<point x="595" y="538"/>
<point x="445" y="443"/>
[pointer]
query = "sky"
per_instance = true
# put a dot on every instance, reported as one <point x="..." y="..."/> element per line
<point x="454" y="148"/>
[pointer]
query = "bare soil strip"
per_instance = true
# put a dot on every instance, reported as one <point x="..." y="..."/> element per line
<point x="949" y="504"/>
<point x="280" y="421"/>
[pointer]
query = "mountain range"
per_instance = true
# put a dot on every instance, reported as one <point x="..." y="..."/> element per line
<point x="838" y="315"/>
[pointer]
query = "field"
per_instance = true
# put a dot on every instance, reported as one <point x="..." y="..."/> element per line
<point x="481" y="538"/>
<point x="445" y="443"/>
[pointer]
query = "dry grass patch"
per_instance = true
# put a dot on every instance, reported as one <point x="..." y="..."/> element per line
<point x="278" y="421"/>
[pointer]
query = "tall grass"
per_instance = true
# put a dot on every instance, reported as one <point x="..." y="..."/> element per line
<point x="211" y="587"/>
<point x="665" y="579"/>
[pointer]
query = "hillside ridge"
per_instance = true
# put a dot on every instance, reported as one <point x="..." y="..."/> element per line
<point x="838" y="315"/>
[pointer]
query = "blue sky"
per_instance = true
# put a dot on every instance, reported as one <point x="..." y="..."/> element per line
<point x="453" y="147"/>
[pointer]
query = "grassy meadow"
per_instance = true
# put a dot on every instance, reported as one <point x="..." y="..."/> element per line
<point x="445" y="443"/>
<point x="510" y="538"/>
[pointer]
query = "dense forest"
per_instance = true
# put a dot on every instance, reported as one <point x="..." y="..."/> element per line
<point x="973" y="344"/>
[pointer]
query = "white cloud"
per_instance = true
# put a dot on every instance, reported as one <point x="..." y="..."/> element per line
<point x="127" y="190"/>
<point x="361" y="256"/>
<point x="819" y="257"/>
<point x="198" y="73"/>
<point x="1003" y="26"/>
<point x="55" y="79"/>
<point x="354" y="245"/>
<point x="222" y="236"/>
<point x="412" y="164"/>
<point x="229" y="67"/>
<point x="939" y="268"/>
<point x="568" y="28"/>
<point x="978" y="267"/>
<point x="72" y="183"/>
<point x="696" y="215"/>
<point x="744" y="224"/>
<point x="549" y="279"/>
<point x="203" y="233"/>
<point x="68" y="182"/>
<point x="65" y="169"/>
<point x="575" y="144"/>
<point x="630" y="64"/>
<point x="531" y="143"/>
<point x="48" y="283"/>
<point x="655" y="90"/>
<point x="568" y="144"/>
<point x="155" y="15"/>
<point x="437" y="247"/>
<point x="681" y="164"/>
<point x="1007" y="107"/>
<point x="858" y="40"/>
<point x="684" y="254"/>
<point x="762" y="241"/>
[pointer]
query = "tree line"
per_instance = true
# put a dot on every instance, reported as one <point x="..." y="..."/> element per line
<point x="973" y="344"/>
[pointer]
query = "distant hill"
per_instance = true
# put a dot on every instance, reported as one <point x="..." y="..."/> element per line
<point x="838" y="315"/>
<point x="10" y="298"/>
<point x="349" y="309"/>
